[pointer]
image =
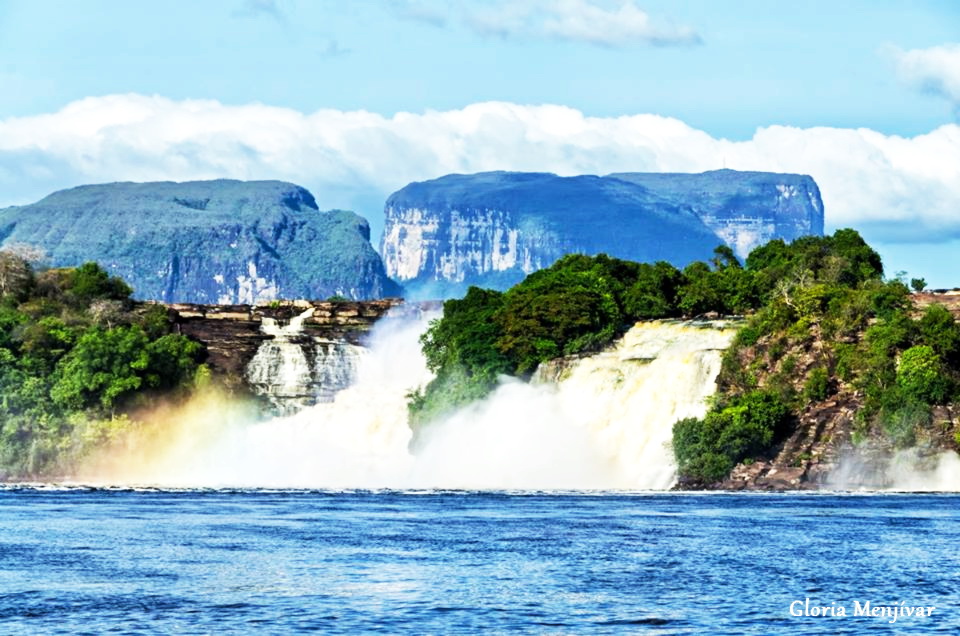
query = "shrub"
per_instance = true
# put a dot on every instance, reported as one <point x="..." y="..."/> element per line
<point x="707" y="449"/>
<point x="939" y="330"/>
<point x="902" y="423"/>
<point x="921" y="375"/>
<point x="816" y="388"/>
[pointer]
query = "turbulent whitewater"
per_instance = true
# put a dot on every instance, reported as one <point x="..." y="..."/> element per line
<point x="597" y="422"/>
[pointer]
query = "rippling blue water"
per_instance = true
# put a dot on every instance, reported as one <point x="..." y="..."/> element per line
<point x="99" y="561"/>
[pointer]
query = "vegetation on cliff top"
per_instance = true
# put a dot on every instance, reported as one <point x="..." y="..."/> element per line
<point x="831" y="325"/>
<point x="579" y="304"/>
<point x="75" y="361"/>
<point x="825" y="295"/>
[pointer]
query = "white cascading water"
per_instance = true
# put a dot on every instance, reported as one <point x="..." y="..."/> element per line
<point x="606" y="424"/>
<point x="282" y="371"/>
<point x="910" y="473"/>
<point x="335" y="367"/>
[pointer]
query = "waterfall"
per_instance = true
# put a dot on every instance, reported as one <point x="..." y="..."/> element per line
<point x="282" y="371"/>
<point x="335" y="368"/>
<point x="597" y="422"/>
<point x="629" y="397"/>
<point x="602" y="421"/>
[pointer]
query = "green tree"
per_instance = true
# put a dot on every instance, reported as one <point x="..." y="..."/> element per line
<point x="921" y="375"/>
<point x="940" y="330"/>
<point x="43" y="343"/>
<point x="573" y="306"/>
<point x="104" y="367"/>
<point x="172" y="361"/>
<point x="90" y="281"/>
<point x="699" y="293"/>
<point x="654" y="292"/>
<point x="467" y="335"/>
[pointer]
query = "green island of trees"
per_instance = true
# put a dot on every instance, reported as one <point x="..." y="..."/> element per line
<point x="77" y="358"/>
<point x="822" y="299"/>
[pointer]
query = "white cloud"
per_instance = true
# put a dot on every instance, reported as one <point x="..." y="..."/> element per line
<point x="599" y="22"/>
<point x="900" y="189"/>
<point x="935" y="69"/>
<point x="580" y="20"/>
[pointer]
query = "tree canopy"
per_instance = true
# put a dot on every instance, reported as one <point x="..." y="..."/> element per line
<point x="74" y="351"/>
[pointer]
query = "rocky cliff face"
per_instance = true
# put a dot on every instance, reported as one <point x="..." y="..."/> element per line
<point x="492" y="229"/>
<point x="206" y="241"/>
<point x="291" y="353"/>
<point x="829" y="448"/>
<point x="744" y="209"/>
<point x="826" y="451"/>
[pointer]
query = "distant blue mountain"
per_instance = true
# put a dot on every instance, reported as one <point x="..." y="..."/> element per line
<point x="206" y="241"/>
<point x="493" y="228"/>
<point x="744" y="209"/>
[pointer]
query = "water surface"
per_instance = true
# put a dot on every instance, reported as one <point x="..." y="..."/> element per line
<point x="86" y="561"/>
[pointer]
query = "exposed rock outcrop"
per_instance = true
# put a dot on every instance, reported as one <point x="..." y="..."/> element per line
<point x="828" y="445"/>
<point x="291" y="353"/>
<point x="827" y="450"/>
<point x="949" y="299"/>
<point x="232" y="334"/>
<point x="491" y="229"/>
<point x="206" y="241"/>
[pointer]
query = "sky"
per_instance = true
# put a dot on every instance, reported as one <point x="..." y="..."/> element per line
<point x="354" y="99"/>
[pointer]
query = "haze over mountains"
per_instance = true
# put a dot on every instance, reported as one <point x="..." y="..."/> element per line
<point x="229" y="241"/>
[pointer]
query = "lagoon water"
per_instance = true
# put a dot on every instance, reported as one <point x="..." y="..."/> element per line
<point x="96" y="561"/>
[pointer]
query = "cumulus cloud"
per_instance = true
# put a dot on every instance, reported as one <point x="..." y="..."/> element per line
<point x="897" y="188"/>
<point x="935" y="70"/>
<point x="604" y="23"/>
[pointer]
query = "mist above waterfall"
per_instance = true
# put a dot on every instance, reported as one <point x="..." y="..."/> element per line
<point x="604" y="423"/>
<point x="906" y="470"/>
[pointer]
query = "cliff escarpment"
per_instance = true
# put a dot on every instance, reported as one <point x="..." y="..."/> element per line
<point x="744" y="209"/>
<point x="222" y="242"/>
<point x="292" y="354"/>
<point x="491" y="229"/>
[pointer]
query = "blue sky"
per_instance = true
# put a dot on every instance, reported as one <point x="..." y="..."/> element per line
<point x="112" y="90"/>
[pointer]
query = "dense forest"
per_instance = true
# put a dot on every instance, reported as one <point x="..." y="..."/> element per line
<point x="823" y="298"/>
<point x="77" y="359"/>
